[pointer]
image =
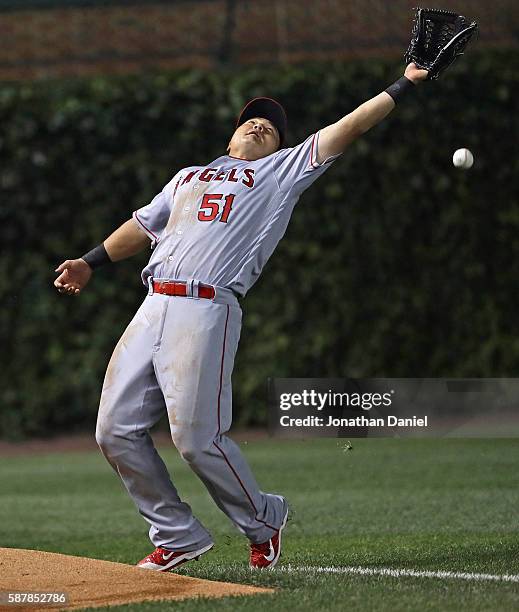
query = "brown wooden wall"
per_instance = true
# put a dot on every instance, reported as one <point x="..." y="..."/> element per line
<point x="47" y="40"/>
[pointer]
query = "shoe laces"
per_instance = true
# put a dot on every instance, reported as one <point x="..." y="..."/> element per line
<point x="259" y="551"/>
<point x="156" y="555"/>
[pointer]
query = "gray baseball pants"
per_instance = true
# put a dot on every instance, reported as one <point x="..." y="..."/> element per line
<point x="177" y="354"/>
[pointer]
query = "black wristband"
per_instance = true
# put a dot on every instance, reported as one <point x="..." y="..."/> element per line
<point x="96" y="257"/>
<point x="400" y="88"/>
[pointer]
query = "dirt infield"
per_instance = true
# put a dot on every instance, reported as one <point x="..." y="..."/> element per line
<point x="93" y="583"/>
<point x="86" y="442"/>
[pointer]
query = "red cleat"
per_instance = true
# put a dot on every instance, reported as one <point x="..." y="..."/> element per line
<point x="266" y="555"/>
<point x="163" y="560"/>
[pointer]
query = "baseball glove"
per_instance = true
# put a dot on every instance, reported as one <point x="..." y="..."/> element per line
<point x="438" y="39"/>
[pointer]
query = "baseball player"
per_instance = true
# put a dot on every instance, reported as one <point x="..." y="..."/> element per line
<point x="212" y="229"/>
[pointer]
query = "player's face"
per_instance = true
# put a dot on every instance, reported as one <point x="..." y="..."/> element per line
<point x="254" y="139"/>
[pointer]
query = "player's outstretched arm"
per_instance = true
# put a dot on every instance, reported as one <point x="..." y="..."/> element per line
<point x="127" y="240"/>
<point x="334" y="138"/>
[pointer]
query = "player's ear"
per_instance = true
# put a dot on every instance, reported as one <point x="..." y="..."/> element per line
<point x="279" y="140"/>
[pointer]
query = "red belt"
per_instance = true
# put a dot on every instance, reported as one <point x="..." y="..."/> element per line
<point x="180" y="289"/>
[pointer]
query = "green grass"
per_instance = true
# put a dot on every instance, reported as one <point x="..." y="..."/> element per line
<point x="421" y="504"/>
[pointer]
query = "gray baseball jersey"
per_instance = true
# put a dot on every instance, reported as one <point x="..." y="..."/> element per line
<point x="221" y="222"/>
<point x="216" y="224"/>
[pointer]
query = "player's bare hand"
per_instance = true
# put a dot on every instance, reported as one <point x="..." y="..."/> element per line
<point x="73" y="277"/>
<point x="415" y="74"/>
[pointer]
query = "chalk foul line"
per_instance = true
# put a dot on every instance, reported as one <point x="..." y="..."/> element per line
<point x="397" y="573"/>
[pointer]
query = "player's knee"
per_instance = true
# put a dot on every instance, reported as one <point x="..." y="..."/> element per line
<point x="190" y="449"/>
<point x="106" y="440"/>
<point x="102" y="439"/>
<point x="190" y="453"/>
<point x="192" y="442"/>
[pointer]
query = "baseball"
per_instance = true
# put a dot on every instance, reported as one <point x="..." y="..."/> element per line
<point x="463" y="158"/>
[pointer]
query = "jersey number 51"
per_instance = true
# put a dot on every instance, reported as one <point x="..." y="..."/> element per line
<point x="210" y="207"/>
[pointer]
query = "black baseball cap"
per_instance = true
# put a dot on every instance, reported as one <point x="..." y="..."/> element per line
<point x="267" y="108"/>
